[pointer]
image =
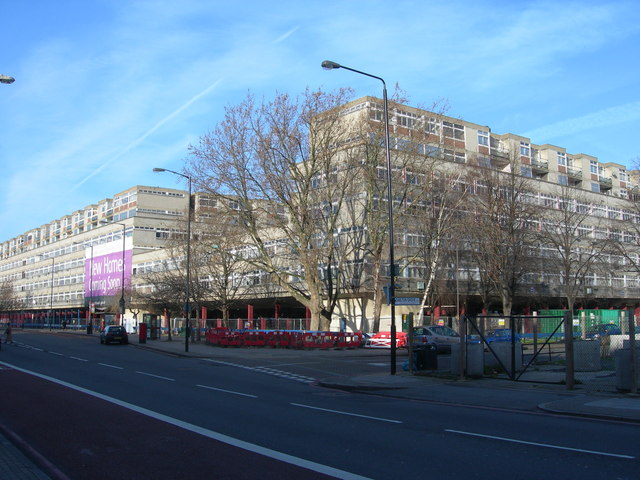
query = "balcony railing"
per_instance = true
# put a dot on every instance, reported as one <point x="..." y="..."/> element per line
<point x="574" y="172"/>
<point x="605" y="180"/>
<point x="539" y="164"/>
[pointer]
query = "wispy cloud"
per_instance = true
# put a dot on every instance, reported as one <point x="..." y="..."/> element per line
<point x="146" y="134"/>
<point x="286" y="35"/>
<point x="604" y="118"/>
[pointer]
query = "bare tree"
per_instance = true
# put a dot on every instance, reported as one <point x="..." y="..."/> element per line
<point x="279" y="161"/>
<point x="502" y="232"/>
<point x="626" y="239"/>
<point x="432" y="219"/>
<point x="569" y="231"/>
<point x="417" y="146"/>
<point x="9" y="300"/>
<point x="219" y="265"/>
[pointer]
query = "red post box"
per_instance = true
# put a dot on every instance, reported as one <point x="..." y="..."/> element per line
<point x="142" y="332"/>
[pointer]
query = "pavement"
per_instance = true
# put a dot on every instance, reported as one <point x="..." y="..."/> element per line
<point x="19" y="462"/>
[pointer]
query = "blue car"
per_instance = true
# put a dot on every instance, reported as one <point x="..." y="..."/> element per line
<point x="501" y="335"/>
<point x="603" y="330"/>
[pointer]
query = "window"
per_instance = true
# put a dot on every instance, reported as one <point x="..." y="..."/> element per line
<point x="584" y="232"/>
<point x="453" y="130"/>
<point x="595" y="187"/>
<point x="615" y="213"/>
<point x="376" y="112"/>
<point x="406" y="119"/>
<point x="599" y="211"/>
<point x="562" y="159"/>
<point x="451" y="156"/>
<point x="483" y="137"/>
<point x="431" y="150"/>
<point x="411" y="178"/>
<point x="433" y="126"/>
<point x="208" y="202"/>
<point x="525" y="149"/>
<point x="526" y="171"/>
<point x="548" y="200"/>
<point x="484" y="161"/>
<point x="563" y="179"/>
<point x="593" y="168"/>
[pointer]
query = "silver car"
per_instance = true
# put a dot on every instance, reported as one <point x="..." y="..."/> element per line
<point x="440" y="336"/>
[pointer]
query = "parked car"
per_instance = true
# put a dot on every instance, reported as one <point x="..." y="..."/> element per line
<point x="114" y="333"/>
<point x="440" y="336"/>
<point x="383" y="340"/>
<point x="500" y="335"/>
<point x="603" y="330"/>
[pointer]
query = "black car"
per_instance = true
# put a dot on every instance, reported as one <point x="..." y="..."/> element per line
<point x="114" y="333"/>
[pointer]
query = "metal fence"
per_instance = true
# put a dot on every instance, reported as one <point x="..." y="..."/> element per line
<point x="260" y="323"/>
<point x="594" y="356"/>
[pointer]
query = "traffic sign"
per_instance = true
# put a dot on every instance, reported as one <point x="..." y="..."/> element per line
<point x="408" y="301"/>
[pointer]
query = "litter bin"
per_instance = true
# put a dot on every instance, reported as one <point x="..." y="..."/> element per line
<point x="426" y="358"/>
<point x="142" y="332"/>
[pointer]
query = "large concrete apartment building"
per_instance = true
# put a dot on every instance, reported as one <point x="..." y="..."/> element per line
<point x="49" y="266"/>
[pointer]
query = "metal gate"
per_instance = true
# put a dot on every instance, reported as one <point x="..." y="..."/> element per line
<point x="516" y="343"/>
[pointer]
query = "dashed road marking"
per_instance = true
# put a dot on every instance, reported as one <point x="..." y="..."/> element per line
<point x="268" y="371"/>
<point x="156" y="376"/>
<point x="226" y="391"/>
<point x="545" y="445"/>
<point x="340" y="412"/>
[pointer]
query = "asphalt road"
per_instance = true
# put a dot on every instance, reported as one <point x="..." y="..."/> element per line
<point x="134" y="413"/>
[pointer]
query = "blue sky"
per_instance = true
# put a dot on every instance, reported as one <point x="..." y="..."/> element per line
<point x="106" y="90"/>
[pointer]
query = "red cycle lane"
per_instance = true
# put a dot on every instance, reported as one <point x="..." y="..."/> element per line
<point x="86" y="437"/>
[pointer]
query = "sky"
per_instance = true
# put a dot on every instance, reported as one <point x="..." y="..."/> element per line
<point x="106" y="90"/>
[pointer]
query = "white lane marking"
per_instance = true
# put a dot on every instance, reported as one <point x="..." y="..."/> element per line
<point x="111" y="366"/>
<point x="56" y="353"/>
<point x="267" y="370"/>
<point x="156" y="376"/>
<point x="234" y="442"/>
<point x="226" y="391"/>
<point x="546" y="445"/>
<point x="80" y="359"/>
<point x="345" y="413"/>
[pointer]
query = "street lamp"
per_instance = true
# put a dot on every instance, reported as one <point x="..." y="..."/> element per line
<point x="329" y="65"/>
<point x="6" y="79"/>
<point x="53" y="264"/>
<point x="90" y="323"/>
<point x="122" y="303"/>
<point x="187" y="306"/>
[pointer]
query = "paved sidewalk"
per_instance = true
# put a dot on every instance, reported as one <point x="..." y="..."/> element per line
<point x="14" y="464"/>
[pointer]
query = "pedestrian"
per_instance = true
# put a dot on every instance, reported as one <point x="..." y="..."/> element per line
<point x="9" y="335"/>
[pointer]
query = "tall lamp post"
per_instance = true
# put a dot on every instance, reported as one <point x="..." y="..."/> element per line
<point x="90" y="322"/>
<point x="50" y="313"/>
<point x="122" y="302"/>
<point x="53" y="266"/>
<point x="329" y="65"/>
<point x="187" y="305"/>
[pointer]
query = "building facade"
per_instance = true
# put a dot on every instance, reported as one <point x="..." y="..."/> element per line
<point x="82" y="264"/>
